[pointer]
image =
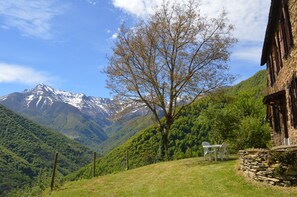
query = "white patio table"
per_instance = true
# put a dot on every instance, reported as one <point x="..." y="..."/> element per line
<point x="215" y="147"/>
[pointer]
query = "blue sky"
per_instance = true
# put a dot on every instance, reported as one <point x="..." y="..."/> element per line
<point x="65" y="43"/>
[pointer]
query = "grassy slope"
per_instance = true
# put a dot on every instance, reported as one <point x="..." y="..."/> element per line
<point x="188" y="177"/>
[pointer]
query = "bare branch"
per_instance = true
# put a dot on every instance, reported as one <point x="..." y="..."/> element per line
<point x="175" y="55"/>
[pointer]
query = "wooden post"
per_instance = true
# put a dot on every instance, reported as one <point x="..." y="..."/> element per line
<point x="94" y="165"/>
<point x="54" y="171"/>
<point x="127" y="160"/>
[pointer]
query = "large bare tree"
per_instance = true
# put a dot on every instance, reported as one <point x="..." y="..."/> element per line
<point x="175" y="55"/>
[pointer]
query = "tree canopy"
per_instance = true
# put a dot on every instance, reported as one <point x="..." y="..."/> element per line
<point x="170" y="59"/>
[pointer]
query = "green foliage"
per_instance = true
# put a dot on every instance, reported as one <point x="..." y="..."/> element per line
<point x="237" y="115"/>
<point x="240" y="122"/>
<point x="255" y="84"/>
<point x="220" y="118"/>
<point x="15" y="171"/>
<point x="252" y="133"/>
<point x="40" y="183"/>
<point x="26" y="148"/>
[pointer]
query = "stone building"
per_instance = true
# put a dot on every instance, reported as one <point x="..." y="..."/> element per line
<point x="280" y="56"/>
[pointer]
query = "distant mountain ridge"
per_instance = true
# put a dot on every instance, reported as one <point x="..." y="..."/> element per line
<point x="80" y="117"/>
<point x="43" y="95"/>
<point x="77" y="100"/>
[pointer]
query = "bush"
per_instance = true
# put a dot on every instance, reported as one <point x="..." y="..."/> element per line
<point x="252" y="133"/>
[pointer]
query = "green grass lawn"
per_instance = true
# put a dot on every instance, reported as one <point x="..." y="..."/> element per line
<point x="188" y="177"/>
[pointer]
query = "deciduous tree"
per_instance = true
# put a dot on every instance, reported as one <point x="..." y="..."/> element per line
<point x="168" y="60"/>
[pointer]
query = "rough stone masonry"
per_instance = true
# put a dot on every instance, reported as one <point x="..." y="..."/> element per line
<point x="276" y="166"/>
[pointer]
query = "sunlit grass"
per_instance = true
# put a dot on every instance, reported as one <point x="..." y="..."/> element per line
<point x="188" y="177"/>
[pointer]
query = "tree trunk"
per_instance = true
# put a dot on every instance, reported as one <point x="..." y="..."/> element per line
<point x="164" y="144"/>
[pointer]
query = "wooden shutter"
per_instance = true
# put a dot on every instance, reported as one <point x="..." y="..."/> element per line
<point x="276" y="119"/>
<point x="281" y="38"/>
<point x="270" y="65"/>
<point x="288" y="39"/>
<point x="293" y="98"/>
<point x="269" y="115"/>
<point x="277" y="54"/>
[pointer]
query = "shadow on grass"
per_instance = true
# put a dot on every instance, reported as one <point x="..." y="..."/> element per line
<point x="199" y="161"/>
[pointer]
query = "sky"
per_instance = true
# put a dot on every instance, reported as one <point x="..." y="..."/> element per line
<point x="65" y="44"/>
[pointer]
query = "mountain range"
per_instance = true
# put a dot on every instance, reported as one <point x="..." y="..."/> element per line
<point x="85" y="119"/>
<point x="79" y="117"/>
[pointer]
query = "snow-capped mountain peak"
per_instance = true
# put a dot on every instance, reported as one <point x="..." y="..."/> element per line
<point x="46" y="95"/>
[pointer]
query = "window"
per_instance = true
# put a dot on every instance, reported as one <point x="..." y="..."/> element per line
<point x="276" y="111"/>
<point x="276" y="119"/>
<point x="269" y="115"/>
<point x="270" y="66"/>
<point x="277" y="54"/>
<point x="284" y="30"/>
<point x="293" y="100"/>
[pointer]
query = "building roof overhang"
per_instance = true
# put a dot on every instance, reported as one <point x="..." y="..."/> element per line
<point x="275" y="97"/>
<point x="274" y="13"/>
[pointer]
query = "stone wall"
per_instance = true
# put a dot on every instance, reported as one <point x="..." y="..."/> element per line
<point x="285" y="76"/>
<point x="277" y="166"/>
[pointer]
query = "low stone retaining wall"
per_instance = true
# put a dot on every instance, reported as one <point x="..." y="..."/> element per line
<point x="277" y="166"/>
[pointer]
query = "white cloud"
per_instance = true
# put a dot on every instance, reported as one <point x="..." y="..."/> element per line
<point x="139" y="8"/>
<point x="252" y="54"/>
<point x="11" y="73"/>
<point x="248" y="16"/>
<point x="114" y="36"/>
<point x="31" y="17"/>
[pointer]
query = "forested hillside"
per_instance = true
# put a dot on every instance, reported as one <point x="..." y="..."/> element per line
<point x="255" y="85"/>
<point x="27" y="149"/>
<point x="121" y="130"/>
<point x="235" y="115"/>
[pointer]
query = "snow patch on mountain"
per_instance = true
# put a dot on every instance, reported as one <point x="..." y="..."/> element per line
<point x="3" y="98"/>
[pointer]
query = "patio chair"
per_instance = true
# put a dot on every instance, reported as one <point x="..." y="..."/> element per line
<point x="223" y="150"/>
<point x="207" y="150"/>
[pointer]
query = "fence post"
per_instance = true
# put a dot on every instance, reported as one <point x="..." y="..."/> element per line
<point x="94" y="165"/>
<point x="127" y="160"/>
<point x="54" y="170"/>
